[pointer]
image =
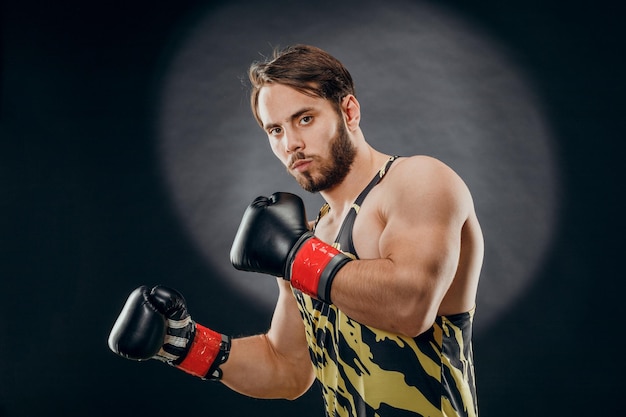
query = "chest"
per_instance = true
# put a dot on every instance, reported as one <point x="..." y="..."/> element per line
<point x="364" y="233"/>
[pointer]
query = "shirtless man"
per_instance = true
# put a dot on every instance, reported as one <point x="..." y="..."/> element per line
<point x="378" y="293"/>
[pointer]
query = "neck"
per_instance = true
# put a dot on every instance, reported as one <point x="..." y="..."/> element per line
<point x="367" y="162"/>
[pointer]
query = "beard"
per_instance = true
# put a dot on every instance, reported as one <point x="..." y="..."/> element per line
<point x="332" y="171"/>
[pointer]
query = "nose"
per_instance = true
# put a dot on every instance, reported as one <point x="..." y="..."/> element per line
<point x="293" y="141"/>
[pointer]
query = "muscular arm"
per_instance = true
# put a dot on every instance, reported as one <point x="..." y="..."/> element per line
<point x="275" y="364"/>
<point x="422" y="213"/>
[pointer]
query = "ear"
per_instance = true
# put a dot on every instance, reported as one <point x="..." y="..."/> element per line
<point x="351" y="111"/>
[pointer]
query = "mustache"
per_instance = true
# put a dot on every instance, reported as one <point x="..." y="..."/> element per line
<point x="295" y="158"/>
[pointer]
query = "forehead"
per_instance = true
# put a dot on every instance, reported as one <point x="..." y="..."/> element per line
<point x="278" y="102"/>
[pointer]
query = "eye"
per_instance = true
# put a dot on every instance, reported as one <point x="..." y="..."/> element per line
<point x="275" y="131"/>
<point x="306" y="120"/>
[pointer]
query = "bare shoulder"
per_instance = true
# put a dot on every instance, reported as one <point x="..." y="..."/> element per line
<point x="425" y="173"/>
<point x="414" y="168"/>
<point x="425" y="181"/>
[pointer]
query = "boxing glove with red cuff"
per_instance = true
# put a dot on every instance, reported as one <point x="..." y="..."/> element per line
<point x="155" y="324"/>
<point x="274" y="238"/>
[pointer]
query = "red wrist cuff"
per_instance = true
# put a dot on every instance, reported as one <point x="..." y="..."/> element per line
<point x="314" y="267"/>
<point x="202" y="353"/>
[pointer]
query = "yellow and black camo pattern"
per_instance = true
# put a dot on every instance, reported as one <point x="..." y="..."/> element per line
<point x="366" y="372"/>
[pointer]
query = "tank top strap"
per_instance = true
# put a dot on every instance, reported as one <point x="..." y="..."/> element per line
<point x="379" y="176"/>
<point x="343" y="241"/>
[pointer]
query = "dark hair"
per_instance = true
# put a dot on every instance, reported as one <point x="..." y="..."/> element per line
<point x="308" y="69"/>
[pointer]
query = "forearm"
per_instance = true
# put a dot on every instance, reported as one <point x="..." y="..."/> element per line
<point x="380" y="294"/>
<point x="256" y="369"/>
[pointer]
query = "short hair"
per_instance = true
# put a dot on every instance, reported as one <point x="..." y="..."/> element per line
<point x="308" y="69"/>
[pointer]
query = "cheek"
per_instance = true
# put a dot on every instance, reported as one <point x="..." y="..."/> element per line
<point x="277" y="149"/>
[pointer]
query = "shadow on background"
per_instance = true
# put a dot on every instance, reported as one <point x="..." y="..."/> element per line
<point x="85" y="218"/>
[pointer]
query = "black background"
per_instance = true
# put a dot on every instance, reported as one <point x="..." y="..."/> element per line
<point x="83" y="208"/>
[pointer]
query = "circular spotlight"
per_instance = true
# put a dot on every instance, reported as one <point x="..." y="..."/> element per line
<point x="429" y="82"/>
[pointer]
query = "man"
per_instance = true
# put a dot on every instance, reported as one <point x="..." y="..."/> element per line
<point x="379" y="296"/>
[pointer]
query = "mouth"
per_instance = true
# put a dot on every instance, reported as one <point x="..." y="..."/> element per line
<point x="299" y="165"/>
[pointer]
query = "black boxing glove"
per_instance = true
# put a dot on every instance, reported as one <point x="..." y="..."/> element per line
<point x="274" y="238"/>
<point x="155" y="324"/>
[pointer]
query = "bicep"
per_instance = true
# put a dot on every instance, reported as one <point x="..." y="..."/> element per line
<point x="422" y="234"/>
<point x="287" y="334"/>
<point x="287" y="329"/>
<point x="274" y="364"/>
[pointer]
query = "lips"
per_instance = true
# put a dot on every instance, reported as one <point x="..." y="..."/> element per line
<point x="299" y="164"/>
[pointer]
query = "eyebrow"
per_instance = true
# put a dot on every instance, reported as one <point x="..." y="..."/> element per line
<point x="294" y="116"/>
